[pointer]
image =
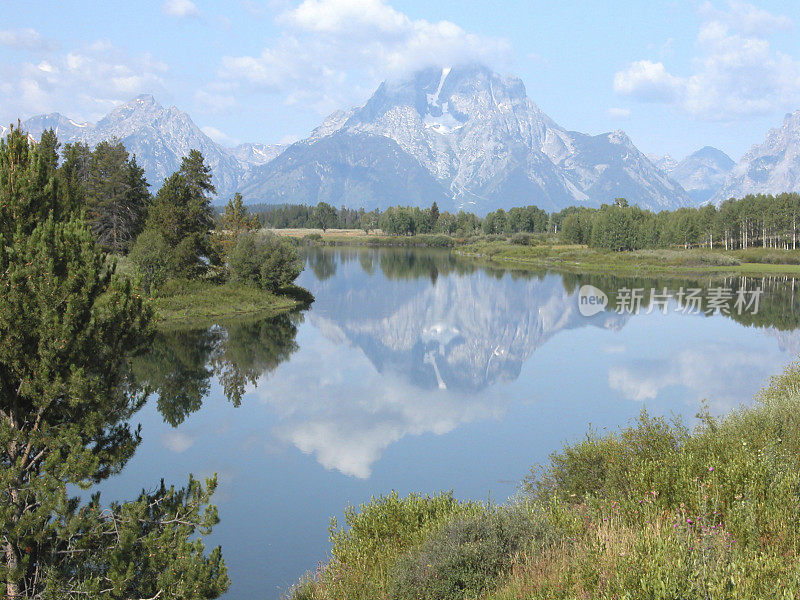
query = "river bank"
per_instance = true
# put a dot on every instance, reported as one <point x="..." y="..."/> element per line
<point x="654" y="510"/>
<point x="532" y="253"/>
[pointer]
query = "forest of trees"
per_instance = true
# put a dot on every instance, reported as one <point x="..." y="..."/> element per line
<point x="754" y="221"/>
<point x="174" y="234"/>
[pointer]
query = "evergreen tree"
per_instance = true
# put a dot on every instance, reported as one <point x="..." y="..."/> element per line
<point x="434" y="214"/>
<point x="197" y="175"/>
<point x="68" y="329"/>
<point x="116" y="196"/>
<point x="74" y="172"/>
<point x="184" y="218"/>
<point x="235" y="221"/>
<point x="48" y="148"/>
<point x="28" y="191"/>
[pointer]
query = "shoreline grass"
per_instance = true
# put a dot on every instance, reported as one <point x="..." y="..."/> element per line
<point x="196" y="301"/>
<point x="654" y="511"/>
<point x="637" y="262"/>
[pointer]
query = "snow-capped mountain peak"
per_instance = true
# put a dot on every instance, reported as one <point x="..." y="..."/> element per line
<point x="485" y="142"/>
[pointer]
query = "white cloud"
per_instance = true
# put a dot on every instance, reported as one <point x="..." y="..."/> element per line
<point x="349" y="17"/>
<point x="725" y="377"/>
<point x="26" y="39"/>
<point x="736" y="72"/>
<point x="618" y="113"/>
<point x="180" y="8"/>
<point x="332" y="52"/>
<point x="84" y="82"/>
<point x="177" y="441"/>
<point x="747" y="18"/>
<point x="219" y="136"/>
<point x="649" y="82"/>
<point x="212" y="102"/>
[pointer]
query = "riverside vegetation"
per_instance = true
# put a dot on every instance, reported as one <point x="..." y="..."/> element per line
<point x="757" y="234"/>
<point x="655" y="511"/>
<point x="71" y="326"/>
<point x="191" y="261"/>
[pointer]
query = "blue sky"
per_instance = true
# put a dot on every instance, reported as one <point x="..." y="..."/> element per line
<point x="675" y="75"/>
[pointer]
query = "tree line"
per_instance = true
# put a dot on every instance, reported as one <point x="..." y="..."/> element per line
<point x="403" y="220"/>
<point x="753" y="221"/>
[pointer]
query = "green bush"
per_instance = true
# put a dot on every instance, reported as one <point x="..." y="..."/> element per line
<point x="376" y="533"/>
<point x="467" y="556"/>
<point x="153" y="259"/>
<point x="311" y="238"/>
<point x="265" y="260"/>
<point x="522" y="239"/>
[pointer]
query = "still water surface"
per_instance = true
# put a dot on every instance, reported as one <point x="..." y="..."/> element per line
<point x="417" y="371"/>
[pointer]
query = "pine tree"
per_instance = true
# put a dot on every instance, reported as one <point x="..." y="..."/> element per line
<point x="68" y="328"/>
<point x="28" y="192"/>
<point x="184" y="218"/>
<point x="48" y="148"/>
<point x="434" y="214"/>
<point x="74" y="173"/>
<point x="116" y="196"/>
<point x="197" y="175"/>
<point x="235" y="221"/>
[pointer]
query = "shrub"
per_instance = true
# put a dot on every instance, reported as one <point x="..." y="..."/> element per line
<point x="377" y="533"/>
<point x="311" y="239"/>
<point x="153" y="259"/>
<point x="522" y="239"/>
<point x="265" y="260"/>
<point x="467" y="556"/>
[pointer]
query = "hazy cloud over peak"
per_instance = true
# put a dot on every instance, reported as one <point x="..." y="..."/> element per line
<point x="331" y="53"/>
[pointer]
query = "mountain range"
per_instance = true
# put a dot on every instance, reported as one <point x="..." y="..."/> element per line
<point x="464" y="137"/>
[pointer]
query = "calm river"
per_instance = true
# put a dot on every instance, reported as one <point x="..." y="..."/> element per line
<point x="417" y="371"/>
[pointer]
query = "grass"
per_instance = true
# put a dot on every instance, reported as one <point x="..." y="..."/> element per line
<point x="655" y="511"/>
<point x="662" y="261"/>
<point x="198" y="301"/>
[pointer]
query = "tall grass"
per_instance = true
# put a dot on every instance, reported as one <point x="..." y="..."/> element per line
<point x="653" y="511"/>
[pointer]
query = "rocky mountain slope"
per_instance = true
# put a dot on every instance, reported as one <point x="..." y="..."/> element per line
<point x="772" y="167"/>
<point x="701" y="174"/>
